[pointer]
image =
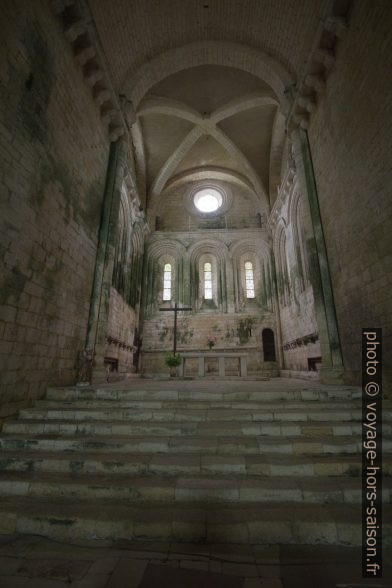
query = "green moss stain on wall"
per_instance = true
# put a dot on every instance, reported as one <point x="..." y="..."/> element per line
<point x="185" y="332"/>
<point x="12" y="285"/>
<point x="55" y="179"/>
<point x="26" y="98"/>
<point x="244" y="330"/>
<point x="37" y="86"/>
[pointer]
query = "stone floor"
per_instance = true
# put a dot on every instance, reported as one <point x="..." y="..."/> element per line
<point x="35" y="562"/>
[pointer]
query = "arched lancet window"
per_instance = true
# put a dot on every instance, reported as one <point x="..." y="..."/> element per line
<point x="208" y="281"/>
<point x="121" y="251"/>
<point x="167" y="281"/>
<point x="283" y="270"/>
<point x="301" y="250"/>
<point x="249" y="280"/>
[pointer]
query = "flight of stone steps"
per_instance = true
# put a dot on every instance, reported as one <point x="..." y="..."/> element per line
<point x="216" y="465"/>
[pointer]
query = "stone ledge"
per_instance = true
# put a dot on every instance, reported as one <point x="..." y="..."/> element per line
<point x="301" y="375"/>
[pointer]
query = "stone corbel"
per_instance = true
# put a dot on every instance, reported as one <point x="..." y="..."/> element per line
<point x="301" y="119"/>
<point x="327" y="58"/>
<point x="315" y="82"/>
<point x="307" y="102"/>
<point x="115" y="132"/>
<point x="74" y="30"/>
<point x="58" y="6"/>
<point x="336" y="25"/>
<point x="101" y="96"/>
<point x="128" y="110"/>
<point x="92" y="75"/>
<point x="107" y="111"/>
<point x="84" y="55"/>
<point x="79" y="32"/>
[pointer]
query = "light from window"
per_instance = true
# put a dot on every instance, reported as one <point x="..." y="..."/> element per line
<point x="208" y="200"/>
<point x="167" y="271"/>
<point x="207" y="281"/>
<point x="249" y="280"/>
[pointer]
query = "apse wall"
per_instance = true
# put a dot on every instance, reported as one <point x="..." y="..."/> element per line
<point x="350" y="136"/>
<point x="53" y="159"/>
<point x="234" y="321"/>
<point x="243" y="213"/>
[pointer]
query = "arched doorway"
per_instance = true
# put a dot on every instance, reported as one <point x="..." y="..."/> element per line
<point x="268" y="345"/>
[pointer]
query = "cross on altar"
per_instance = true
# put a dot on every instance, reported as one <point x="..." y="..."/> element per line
<point x="176" y="309"/>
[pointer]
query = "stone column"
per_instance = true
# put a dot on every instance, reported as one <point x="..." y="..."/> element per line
<point x="230" y="286"/>
<point x="187" y="299"/>
<point x="276" y="309"/>
<point x="100" y="296"/>
<point x="332" y="363"/>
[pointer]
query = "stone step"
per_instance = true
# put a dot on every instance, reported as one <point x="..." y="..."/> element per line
<point x="185" y="464"/>
<point x="186" y="428"/>
<point x="71" y="393"/>
<point x="196" y="488"/>
<point x="244" y="445"/>
<point x="268" y="523"/>
<point x="195" y="415"/>
<point x="203" y="405"/>
<point x="190" y="463"/>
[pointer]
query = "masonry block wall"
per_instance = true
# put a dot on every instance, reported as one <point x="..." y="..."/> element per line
<point x="53" y="163"/>
<point x="291" y="226"/>
<point x="122" y="322"/>
<point x="240" y="332"/>
<point x="121" y="331"/>
<point x="246" y="210"/>
<point x="350" y="137"/>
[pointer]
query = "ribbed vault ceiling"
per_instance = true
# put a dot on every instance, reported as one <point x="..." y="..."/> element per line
<point x="206" y="109"/>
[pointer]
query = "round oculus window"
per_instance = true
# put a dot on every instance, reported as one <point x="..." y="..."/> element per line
<point x="208" y="200"/>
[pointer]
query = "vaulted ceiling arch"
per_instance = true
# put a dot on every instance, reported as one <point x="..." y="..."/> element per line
<point x="198" y="174"/>
<point x="204" y="124"/>
<point x="170" y="107"/>
<point x="172" y="162"/>
<point x="224" y="97"/>
<point x="243" y="57"/>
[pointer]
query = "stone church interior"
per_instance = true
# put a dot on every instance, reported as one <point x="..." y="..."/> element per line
<point x="195" y="229"/>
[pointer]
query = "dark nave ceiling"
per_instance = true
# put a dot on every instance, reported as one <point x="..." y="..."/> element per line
<point x="215" y="112"/>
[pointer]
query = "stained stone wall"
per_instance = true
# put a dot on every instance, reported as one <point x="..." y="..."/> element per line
<point x="351" y="137"/>
<point x="292" y="236"/>
<point x="122" y="323"/>
<point x="53" y="164"/>
<point x="124" y="299"/>
<point x="246" y="210"/>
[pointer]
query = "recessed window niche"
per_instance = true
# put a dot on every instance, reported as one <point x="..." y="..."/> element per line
<point x="208" y="200"/>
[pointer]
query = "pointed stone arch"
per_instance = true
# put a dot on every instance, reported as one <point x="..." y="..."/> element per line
<point x="259" y="254"/>
<point x="198" y="174"/>
<point x="281" y="261"/>
<point x="156" y="251"/>
<point x="219" y="252"/>
<point x="137" y="84"/>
